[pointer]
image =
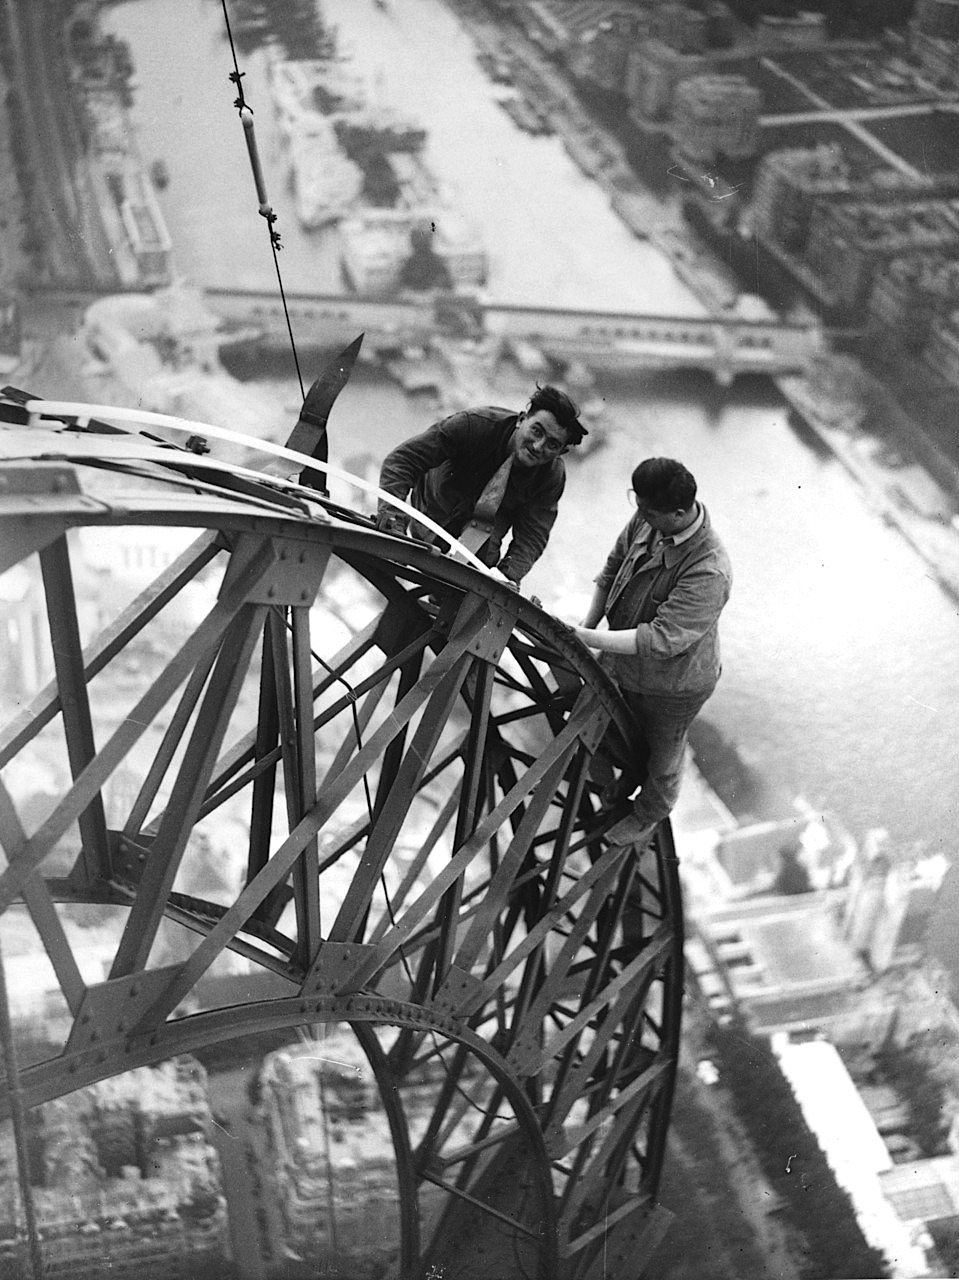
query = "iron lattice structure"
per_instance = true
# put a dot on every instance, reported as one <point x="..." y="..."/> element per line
<point x="401" y="749"/>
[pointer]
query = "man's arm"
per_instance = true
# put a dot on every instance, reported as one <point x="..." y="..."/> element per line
<point x="597" y="606"/>
<point x="412" y="458"/>
<point x="605" y="579"/>
<point x="604" y="582"/>
<point x="690" y="610"/>
<point x="531" y="530"/>
<point x="608" y="641"/>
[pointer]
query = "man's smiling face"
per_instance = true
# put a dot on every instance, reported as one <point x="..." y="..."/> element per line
<point x="538" y="439"/>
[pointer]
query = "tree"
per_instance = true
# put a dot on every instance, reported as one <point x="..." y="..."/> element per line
<point x="792" y="1158"/>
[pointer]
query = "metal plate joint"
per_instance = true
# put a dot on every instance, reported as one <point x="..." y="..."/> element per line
<point x="335" y="962"/>
<point x="593" y="730"/>
<point x="293" y="578"/>
<point x="38" y="478"/>
<point x="525" y="1055"/>
<point x="111" y="1010"/>
<point x="492" y="640"/>
<point x="459" y="988"/>
<point x="128" y="857"/>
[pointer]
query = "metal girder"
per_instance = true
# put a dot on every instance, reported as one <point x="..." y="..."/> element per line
<point x="385" y="805"/>
<point x="74" y="704"/>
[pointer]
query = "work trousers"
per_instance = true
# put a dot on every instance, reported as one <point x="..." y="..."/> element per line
<point x="664" y="719"/>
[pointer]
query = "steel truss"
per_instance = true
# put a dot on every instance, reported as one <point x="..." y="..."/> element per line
<point x="424" y="858"/>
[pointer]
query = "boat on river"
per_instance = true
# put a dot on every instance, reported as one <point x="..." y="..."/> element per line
<point x="160" y="175"/>
<point x="326" y="185"/>
<point x="372" y="255"/>
<point x="496" y="65"/>
<point x="525" y="114"/>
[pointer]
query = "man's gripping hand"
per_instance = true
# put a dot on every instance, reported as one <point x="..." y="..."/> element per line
<point x="499" y="576"/>
<point x="388" y="520"/>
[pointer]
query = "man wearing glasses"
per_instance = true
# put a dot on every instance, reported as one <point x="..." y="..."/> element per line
<point x="662" y="590"/>
<point x="484" y="473"/>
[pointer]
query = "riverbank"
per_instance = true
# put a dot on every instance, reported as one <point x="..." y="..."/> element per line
<point x="899" y="489"/>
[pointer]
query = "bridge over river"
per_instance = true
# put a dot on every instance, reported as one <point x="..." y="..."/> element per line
<point x="722" y="343"/>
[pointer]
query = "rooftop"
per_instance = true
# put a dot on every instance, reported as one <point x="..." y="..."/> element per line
<point x="794" y="940"/>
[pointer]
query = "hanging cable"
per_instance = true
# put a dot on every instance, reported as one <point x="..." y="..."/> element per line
<point x="266" y="209"/>
<point x="352" y="694"/>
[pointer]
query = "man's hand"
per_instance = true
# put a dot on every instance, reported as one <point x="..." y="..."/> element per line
<point x="390" y="521"/>
<point x="630" y="830"/>
<point x="501" y="577"/>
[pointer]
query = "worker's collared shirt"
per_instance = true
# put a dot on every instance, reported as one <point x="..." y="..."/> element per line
<point x="658" y="541"/>
<point x="677" y="539"/>
<point x="671" y="590"/>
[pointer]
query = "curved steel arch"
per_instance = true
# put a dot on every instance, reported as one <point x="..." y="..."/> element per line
<point x="438" y="865"/>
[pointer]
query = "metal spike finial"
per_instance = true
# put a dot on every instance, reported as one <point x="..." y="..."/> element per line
<point x="309" y="434"/>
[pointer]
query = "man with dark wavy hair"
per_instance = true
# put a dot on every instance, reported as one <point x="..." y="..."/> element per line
<point x="484" y="473"/>
<point x="661" y="590"/>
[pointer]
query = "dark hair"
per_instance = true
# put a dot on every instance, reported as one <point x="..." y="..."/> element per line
<point x="664" y="484"/>
<point x="562" y="408"/>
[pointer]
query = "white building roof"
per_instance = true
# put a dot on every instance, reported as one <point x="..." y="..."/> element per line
<point x="851" y="1144"/>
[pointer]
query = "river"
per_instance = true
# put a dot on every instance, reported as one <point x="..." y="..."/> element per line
<point x="841" y="653"/>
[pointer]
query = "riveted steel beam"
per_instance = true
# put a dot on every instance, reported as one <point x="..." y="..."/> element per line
<point x="74" y="703"/>
<point x="90" y="781"/>
<point x="176" y="826"/>
<point x="43" y="912"/>
<point x="442" y="856"/>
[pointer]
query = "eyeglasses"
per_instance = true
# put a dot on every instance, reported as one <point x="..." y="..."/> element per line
<point x="550" y="444"/>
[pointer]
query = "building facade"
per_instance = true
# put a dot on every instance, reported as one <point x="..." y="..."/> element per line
<point x="124" y="1180"/>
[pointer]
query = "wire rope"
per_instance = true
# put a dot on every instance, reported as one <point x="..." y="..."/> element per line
<point x="266" y="209"/>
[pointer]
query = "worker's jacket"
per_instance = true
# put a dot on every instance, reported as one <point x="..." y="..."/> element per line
<point x="673" y="600"/>
<point x="448" y="466"/>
